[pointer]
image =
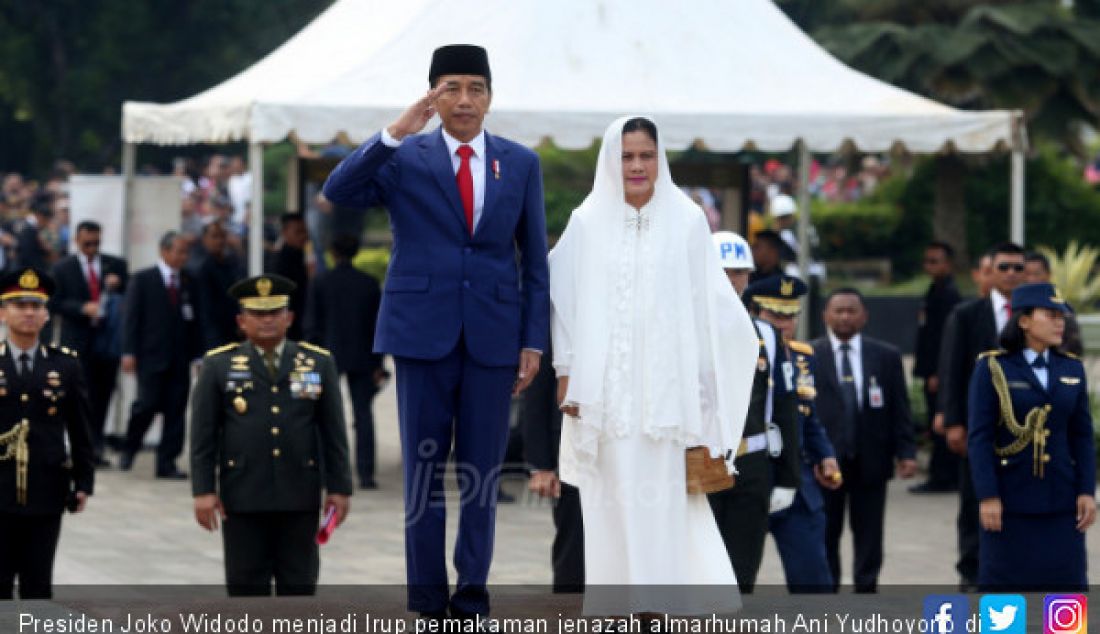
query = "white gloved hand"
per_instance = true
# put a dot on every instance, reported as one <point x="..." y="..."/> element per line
<point x="782" y="498"/>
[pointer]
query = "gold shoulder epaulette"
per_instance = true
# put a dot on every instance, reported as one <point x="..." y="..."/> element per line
<point x="220" y="349"/>
<point x="800" y="346"/>
<point x="1068" y="355"/>
<point x="318" y="349"/>
<point x="64" y="350"/>
<point x="991" y="353"/>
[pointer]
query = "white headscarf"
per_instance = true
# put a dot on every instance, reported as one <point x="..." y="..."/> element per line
<point x="700" y="348"/>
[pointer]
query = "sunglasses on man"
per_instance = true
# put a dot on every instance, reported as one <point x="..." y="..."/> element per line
<point x="1010" y="266"/>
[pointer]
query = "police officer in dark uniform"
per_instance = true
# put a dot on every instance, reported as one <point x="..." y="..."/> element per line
<point x="267" y="437"/>
<point x="43" y="400"/>
<point x="1031" y="450"/>
<point x="768" y="469"/>
<point x="799" y="531"/>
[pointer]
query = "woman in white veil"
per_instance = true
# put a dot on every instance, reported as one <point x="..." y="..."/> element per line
<point x="654" y="354"/>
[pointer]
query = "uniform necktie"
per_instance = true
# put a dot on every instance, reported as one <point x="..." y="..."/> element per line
<point x="269" y="361"/>
<point x="24" y="365"/>
<point x="465" y="179"/>
<point x="1040" y="363"/>
<point x="93" y="282"/>
<point x="173" y="290"/>
<point x="850" y="397"/>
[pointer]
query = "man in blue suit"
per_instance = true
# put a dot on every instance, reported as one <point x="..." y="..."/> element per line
<point x="799" y="530"/>
<point x="465" y="310"/>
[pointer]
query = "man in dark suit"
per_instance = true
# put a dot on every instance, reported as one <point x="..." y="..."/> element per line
<point x="973" y="328"/>
<point x="46" y="462"/>
<point x="540" y="422"/>
<point x="465" y="312"/>
<point x="341" y="316"/>
<point x="88" y="299"/>
<point x="30" y="248"/>
<point x="219" y="269"/>
<point x="160" y="339"/>
<point x="863" y="402"/>
<point x="942" y="296"/>
<point x="289" y="261"/>
<point x="268" y="437"/>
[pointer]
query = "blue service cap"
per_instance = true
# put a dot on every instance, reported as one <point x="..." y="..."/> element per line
<point x="1041" y="295"/>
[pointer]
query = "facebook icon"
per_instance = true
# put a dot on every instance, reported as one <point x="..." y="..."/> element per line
<point x="946" y="613"/>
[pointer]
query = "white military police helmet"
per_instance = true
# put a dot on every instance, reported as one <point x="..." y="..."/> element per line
<point x="733" y="250"/>
<point x="783" y="205"/>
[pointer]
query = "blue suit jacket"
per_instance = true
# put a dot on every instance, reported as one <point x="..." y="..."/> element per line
<point x="1071" y="468"/>
<point x="492" y="287"/>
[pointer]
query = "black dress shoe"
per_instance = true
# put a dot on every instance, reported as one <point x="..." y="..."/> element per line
<point x="505" y="498"/>
<point x="368" y="485"/>
<point x="928" y="488"/>
<point x="126" y="461"/>
<point x="174" y="474"/>
<point x="102" y="463"/>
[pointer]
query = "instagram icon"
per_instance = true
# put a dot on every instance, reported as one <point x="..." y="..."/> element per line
<point x="1065" y="614"/>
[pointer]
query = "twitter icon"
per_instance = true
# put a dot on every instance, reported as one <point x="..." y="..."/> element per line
<point x="1003" y="614"/>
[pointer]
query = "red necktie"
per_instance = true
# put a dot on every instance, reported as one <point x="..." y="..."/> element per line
<point x="93" y="282"/>
<point x="465" y="180"/>
<point x="1008" y="309"/>
<point x="173" y="292"/>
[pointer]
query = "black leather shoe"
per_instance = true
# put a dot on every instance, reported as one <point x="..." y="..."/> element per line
<point x="102" y="463"/>
<point x="126" y="461"/>
<point x="368" y="485"/>
<point x="174" y="474"/>
<point x="930" y="488"/>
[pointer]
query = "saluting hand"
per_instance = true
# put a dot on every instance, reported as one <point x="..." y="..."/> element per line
<point x="417" y="116"/>
<point x="1086" y="512"/>
<point x="208" y="509"/>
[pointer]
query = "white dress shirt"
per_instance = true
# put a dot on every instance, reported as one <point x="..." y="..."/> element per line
<point x="94" y="264"/>
<point x="1043" y="374"/>
<point x="854" y="356"/>
<point x="1000" y="315"/>
<point x="17" y="352"/>
<point x="477" y="163"/>
<point x="167" y="273"/>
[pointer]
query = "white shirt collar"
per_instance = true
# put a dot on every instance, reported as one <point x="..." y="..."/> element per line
<point x="166" y="271"/>
<point x="84" y="262"/>
<point x="16" y="351"/>
<point x="998" y="300"/>
<point x="1030" y="356"/>
<point x="477" y="143"/>
<point x="855" y="343"/>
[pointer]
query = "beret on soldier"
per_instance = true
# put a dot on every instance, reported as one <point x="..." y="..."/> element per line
<point x="459" y="59"/>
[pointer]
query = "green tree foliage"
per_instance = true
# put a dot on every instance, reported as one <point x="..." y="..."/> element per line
<point x="66" y="66"/>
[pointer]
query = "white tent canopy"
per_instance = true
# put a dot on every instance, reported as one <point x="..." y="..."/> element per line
<point x="728" y="73"/>
<point x="733" y="74"/>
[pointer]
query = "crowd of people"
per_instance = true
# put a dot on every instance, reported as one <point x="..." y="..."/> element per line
<point x="667" y="408"/>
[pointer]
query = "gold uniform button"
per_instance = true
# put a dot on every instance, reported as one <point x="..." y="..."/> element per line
<point x="274" y="431"/>
<point x="24" y="397"/>
<point x="1046" y="457"/>
<point x="1004" y="463"/>
<point x="275" y="452"/>
<point x="274" y="389"/>
<point x="231" y="463"/>
<point x="274" y="409"/>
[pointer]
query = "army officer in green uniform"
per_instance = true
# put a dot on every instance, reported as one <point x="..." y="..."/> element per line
<point x="267" y="437"/>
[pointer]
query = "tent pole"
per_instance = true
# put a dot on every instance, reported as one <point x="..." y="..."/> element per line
<point x="804" y="160"/>
<point x="1017" y="196"/>
<point x="256" y="210"/>
<point x="129" y="159"/>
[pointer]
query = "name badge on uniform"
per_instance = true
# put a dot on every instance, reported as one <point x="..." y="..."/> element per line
<point x="188" y="312"/>
<point x="1070" y="380"/>
<point x="874" y="395"/>
<point x="788" y="375"/>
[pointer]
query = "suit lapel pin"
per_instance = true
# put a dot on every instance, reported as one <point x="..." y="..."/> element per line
<point x="496" y="169"/>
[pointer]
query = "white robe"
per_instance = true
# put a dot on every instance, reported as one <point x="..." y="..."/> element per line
<point x="660" y="355"/>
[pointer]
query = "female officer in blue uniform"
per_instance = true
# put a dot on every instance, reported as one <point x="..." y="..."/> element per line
<point x="1031" y="451"/>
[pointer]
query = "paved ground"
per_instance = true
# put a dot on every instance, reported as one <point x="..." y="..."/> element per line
<point x="141" y="530"/>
